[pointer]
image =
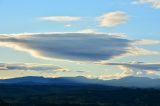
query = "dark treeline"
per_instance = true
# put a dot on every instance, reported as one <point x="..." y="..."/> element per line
<point x="82" y="95"/>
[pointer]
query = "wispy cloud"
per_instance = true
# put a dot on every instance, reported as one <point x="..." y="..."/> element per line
<point x="153" y="3"/>
<point x="112" y="19"/>
<point x="73" y="46"/>
<point x="61" y="18"/>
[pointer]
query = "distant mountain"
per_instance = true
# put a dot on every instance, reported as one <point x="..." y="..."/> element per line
<point x="140" y="82"/>
<point x="42" y="80"/>
<point x="136" y="82"/>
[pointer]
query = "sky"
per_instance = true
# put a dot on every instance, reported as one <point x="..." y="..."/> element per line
<point x="104" y="39"/>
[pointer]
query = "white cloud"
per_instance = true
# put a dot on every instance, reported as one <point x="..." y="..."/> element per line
<point x="146" y="42"/>
<point x="113" y="19"/>
<point x="124" y="73"/>
<point x="87" y="31"/>
<point x="140" y="51"/>
<point x="68" y="25"/>
<point x="61" y="18"/>
<point x="118" y="34"/>
<point x="153" y="3"/>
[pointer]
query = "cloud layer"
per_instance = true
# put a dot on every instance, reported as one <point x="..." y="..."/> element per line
<point x="113" y="19"/>
<point x="73" y="46"/>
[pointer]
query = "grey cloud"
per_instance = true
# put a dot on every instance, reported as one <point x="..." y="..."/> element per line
<point x="138" y="66"/>
<point x="136" y="69"/>
<point x="72" y="46"/>
<point x="46" y="68"/>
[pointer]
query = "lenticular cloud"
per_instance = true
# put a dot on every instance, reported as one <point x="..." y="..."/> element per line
<point x="72" y="46"/>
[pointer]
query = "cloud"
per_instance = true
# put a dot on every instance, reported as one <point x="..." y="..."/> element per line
<point x="113" y="19"/>
<point x="45" y="68"/>
<point x="153" y="3"/>
<point x="61" y="18"/>
<point x="12" y="70"/>
<point x="146" y="42"/>
<point x="104" y="77"/>
<point x="118" y="34"/>
<point x="136" y="69"/>
<point x="138" y="65"/>
<point x="87" y="31"/>
<point x="128" y="72"/>
<point x="124" y="73"/>
<point x="68" y="25"/>
<point x="73" y="46"/>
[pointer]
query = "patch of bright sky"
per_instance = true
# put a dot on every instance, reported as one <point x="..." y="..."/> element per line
<point x="22" y="16"/>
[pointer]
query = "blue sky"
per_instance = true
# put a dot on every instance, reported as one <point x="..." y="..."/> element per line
<point x="136" y="20"/>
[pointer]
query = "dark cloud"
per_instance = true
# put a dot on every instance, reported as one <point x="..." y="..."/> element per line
<point x="31" y="67"/>
<point x="72" y="46"/>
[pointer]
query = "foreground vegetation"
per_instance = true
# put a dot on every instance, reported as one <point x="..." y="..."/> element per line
<point x="76" y="95"/>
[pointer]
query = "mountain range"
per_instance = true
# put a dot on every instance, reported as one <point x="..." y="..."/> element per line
<point x="130" y="81"/>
